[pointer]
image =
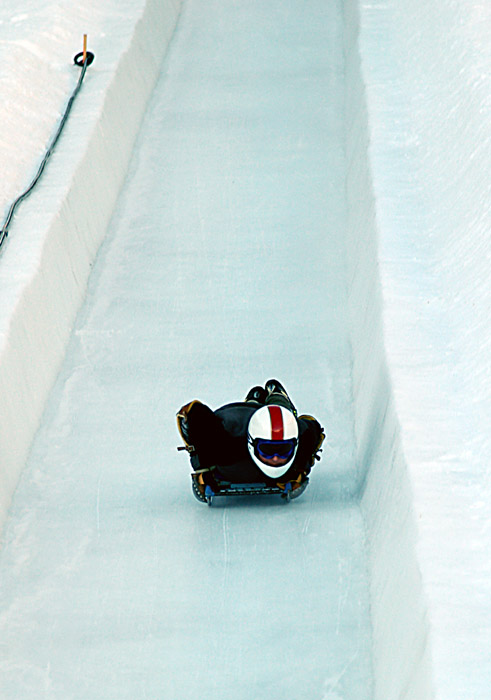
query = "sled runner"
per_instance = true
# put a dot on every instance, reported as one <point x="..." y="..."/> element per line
<point x="227" y="488"/>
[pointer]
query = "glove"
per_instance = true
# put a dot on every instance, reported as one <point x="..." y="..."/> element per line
<point x="295" y="483"/>
<point x="321" y="438"/>
<point x="182" y="424"/>
<point x="205" y="478"/>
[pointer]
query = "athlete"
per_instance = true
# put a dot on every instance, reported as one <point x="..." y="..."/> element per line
<point x="260" y="440"/>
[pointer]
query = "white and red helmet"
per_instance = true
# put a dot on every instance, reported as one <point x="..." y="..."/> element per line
<point x="273" y="432"/>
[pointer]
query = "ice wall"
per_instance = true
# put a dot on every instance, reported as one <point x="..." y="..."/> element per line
<point x="44" y="275"/>
<point x="425" y="156"/>
<point x="401" y="658"/>
<point x="426" y="70"/>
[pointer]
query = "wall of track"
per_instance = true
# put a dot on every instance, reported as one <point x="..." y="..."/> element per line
<point x="33" y="337"/>
<point x="401" y="648"/>
<point x="39" y="310"/>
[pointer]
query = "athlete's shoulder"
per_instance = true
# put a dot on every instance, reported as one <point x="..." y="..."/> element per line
<point x="236" y="416"/>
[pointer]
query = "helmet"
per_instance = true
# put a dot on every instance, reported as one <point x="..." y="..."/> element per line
<point x="273" y="432"/>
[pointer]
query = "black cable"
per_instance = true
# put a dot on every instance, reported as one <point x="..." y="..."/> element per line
<point x="89" y="57"/>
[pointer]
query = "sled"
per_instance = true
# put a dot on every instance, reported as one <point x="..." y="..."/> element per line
<point x="227" y="488"/>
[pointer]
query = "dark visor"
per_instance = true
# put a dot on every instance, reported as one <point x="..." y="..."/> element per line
<point x="275" y="448"/>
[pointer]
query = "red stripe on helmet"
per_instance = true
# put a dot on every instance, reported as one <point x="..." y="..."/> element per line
<point x="276" y="422"/>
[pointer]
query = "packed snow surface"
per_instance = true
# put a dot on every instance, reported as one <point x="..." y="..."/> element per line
<point x="225" y="264"/>
<point x="223" y="267"/>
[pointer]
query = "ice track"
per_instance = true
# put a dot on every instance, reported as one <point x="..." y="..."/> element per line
<point x="224" y="266"/>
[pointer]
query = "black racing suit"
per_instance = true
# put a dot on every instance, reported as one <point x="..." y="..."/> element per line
<point x="219" y="441"/>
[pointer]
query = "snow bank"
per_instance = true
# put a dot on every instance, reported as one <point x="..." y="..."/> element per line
<point x="55" y="236"/>
<point x="400" y="628"/>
